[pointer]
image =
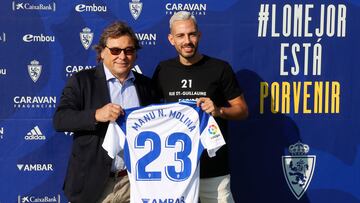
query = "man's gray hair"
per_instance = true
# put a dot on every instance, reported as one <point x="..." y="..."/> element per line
<point x="182" y="15"/>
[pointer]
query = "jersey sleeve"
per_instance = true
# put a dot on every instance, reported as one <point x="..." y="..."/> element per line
<point x="114" y="140"/>
<point x="211" y="137"/>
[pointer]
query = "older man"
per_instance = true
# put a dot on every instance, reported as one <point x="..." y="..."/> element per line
<point x="89" y="101"/>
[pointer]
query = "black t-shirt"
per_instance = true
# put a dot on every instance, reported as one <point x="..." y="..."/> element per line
<point x="209" y="77"/>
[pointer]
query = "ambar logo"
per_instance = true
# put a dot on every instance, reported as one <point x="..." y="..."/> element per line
<point x="35" y="167"/>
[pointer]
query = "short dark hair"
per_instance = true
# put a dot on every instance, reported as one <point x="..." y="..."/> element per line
<point x="114" y="30"/>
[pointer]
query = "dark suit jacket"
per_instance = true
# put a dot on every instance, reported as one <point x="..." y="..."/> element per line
<point x="89" y="165"/>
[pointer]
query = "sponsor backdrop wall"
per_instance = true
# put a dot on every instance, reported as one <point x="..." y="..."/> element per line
<point x="297" y="61"/>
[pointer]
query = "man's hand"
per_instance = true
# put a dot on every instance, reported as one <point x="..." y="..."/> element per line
<point x="208" y="106"/>
<point x="109" y="112"/>
<point x="236" y="110"/>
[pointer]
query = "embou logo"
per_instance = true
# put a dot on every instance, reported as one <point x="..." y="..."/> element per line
<point x="92" y="8"/>
<point x="38" y="38"/>
<point x="298" y="168"/>
<point x="2" y="71"/>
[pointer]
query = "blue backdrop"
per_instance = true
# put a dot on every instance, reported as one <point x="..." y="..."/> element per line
<point x="297" y="62"/>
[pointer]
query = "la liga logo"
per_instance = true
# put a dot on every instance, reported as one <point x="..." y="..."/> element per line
<point x="213" y="129"/>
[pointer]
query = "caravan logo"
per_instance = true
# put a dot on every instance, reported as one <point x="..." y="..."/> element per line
<point x="146" y="38"/>
<point x="135" y="8"/>
<point x="35" y="134"/>
<point x="34" y="102"/>
<point x="193" y="8"/>
<point x="32" y="198"/>
<point x="86" y="37"/>
<point x="298" y="168"/>
<point x="30" y="6"/>
<point x="72" y="69"/>
<point x="34" y="70"/>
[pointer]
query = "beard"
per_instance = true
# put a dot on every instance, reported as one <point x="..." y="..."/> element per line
<point x="188" y="55"/>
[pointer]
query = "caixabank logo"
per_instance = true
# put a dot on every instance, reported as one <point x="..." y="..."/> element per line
<point x="32" y="6"/>
<point x="72" y="69"/>
<point x="90" y="8"/>
<point x="194" y="8"/>
<point x="147" y="39"/>
<point x="28" y="38"/>
<point x="38" y="198"/>
<point x="298" y="168"/>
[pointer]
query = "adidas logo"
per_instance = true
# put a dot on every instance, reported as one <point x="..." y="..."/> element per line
<point x="137" y="69"/>
<point x="35" y="134"/>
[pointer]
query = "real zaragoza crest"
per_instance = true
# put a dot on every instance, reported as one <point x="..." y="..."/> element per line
<point x="86" y="37"/>
<point x="34" y="70"/>
<point x="135" y="8"/>
<point x="298" y="168"/>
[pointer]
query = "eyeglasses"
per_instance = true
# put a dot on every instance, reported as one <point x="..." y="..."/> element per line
<point x="127" y="51"/>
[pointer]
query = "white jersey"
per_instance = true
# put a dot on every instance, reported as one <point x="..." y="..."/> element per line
<point x="162" y="146"/>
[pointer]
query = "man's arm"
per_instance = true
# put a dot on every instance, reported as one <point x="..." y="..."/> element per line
<point x="70" y="114"/>
<point x="237" y="109"/>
